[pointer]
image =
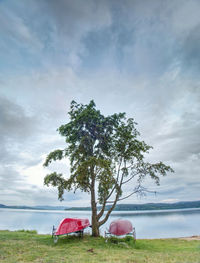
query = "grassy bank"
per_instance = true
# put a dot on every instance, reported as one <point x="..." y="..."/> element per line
<point x="31" y="247"/>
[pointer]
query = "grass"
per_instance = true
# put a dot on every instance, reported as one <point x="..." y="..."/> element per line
<point x="28" y="246"/>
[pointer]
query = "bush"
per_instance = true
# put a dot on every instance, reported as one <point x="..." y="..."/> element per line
<point x="27" y="231"/>
<point x="128" y="240"/>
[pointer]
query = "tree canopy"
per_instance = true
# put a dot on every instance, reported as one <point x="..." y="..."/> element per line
<point x="105" y="154"/>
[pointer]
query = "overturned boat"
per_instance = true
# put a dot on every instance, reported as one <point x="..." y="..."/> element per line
<point x="121" y="227"/>
<point x="68" y="226"/>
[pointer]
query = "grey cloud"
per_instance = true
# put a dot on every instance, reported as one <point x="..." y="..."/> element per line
<point x="14" y="190"/>
<point x="164" y="32"/>
<point x="70" y="21"/>
<point x="8" y="174"/>
<point x="14" y="28"/>
<point x="185" y="16"/>
<point x="190" y="50"/>
<point x="144" y="38"/>
<point x="15" y="124"/>
<point x="17" y="130"/>
<point x="69" y="197"/>
<point x="174" y="190"/>
<point x="20" y="194"/>
<point x="133" y="41"/>
<point x="92" y="14"/>
<point x="64" y="24"/>
<point x="182" y="141"/>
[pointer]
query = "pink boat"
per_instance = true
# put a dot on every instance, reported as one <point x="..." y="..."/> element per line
<point x="70" y="225"/>
<point x="121" y="227"/>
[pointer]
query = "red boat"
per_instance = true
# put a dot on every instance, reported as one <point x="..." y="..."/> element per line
<point x="121" y="227"/>
<point x="70" y="225"/>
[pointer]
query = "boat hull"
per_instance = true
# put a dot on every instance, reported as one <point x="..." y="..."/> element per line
<point x="71" y="225"/>
<point x="120" y="227"/>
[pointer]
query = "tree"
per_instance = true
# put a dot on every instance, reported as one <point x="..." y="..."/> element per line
<point x="105" y="154"/>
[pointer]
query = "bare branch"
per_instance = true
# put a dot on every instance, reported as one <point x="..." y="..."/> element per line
<point x="130" y="178"/>
<point x="109" y="195"/>
<point x="116" y="198"/>
<point x="119" y="168"/>
<point x="102" y="210"/>
<point x="139" y="189"/>
<point x="109" y="211"/>
<point x="97" y="170"/>
<point x="124" y="197"/>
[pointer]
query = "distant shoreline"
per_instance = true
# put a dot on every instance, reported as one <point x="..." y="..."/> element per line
<point x="144" y="207"/>
<point x="117" y="212"/>
<point x="119" y="207"/>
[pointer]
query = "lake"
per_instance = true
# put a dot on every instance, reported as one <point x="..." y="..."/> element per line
<point x="148" y="224"/>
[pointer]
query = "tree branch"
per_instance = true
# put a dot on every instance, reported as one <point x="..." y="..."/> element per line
<point x="139" y="189"/>
<point x="53" y="156"/>
<point x="102" y="210"/>
<point x="109" y="212"/>
<point x="130" y="178"/>
<point x="116" y="198"/>
<point x="124" y="197"/>
<point x="100" y="214"/>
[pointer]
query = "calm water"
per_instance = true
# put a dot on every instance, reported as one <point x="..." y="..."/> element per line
<point x="148" y="224"/>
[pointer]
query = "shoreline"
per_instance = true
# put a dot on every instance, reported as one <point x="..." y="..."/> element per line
<point x="121" y="212"/>
<point x="188" y="238"/>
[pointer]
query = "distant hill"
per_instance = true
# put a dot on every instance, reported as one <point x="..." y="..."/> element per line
<point x="47" y="207"/>
<point x="120" y="207"/>
<point x="39" y="207"/>
<point x="148" y="206"/>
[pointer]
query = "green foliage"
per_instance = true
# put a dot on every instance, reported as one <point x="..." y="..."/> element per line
<point x="54" y="156"/>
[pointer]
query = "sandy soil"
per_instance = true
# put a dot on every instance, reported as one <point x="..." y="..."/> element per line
<point x="191" y="238"/>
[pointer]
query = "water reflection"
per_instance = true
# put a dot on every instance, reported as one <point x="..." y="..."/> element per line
<point x="148" y="224"/>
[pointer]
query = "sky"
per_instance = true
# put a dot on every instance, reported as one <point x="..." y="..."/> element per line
<point x="138" y="57"/>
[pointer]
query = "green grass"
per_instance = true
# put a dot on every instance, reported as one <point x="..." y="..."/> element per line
<point x="28" y="246"/>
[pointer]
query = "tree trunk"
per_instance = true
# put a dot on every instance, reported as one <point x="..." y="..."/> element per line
<point x="95" y="223"/>
<point x="95" y="227"/>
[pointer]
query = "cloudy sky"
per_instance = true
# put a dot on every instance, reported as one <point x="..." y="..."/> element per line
<point x="138" y="57"/>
